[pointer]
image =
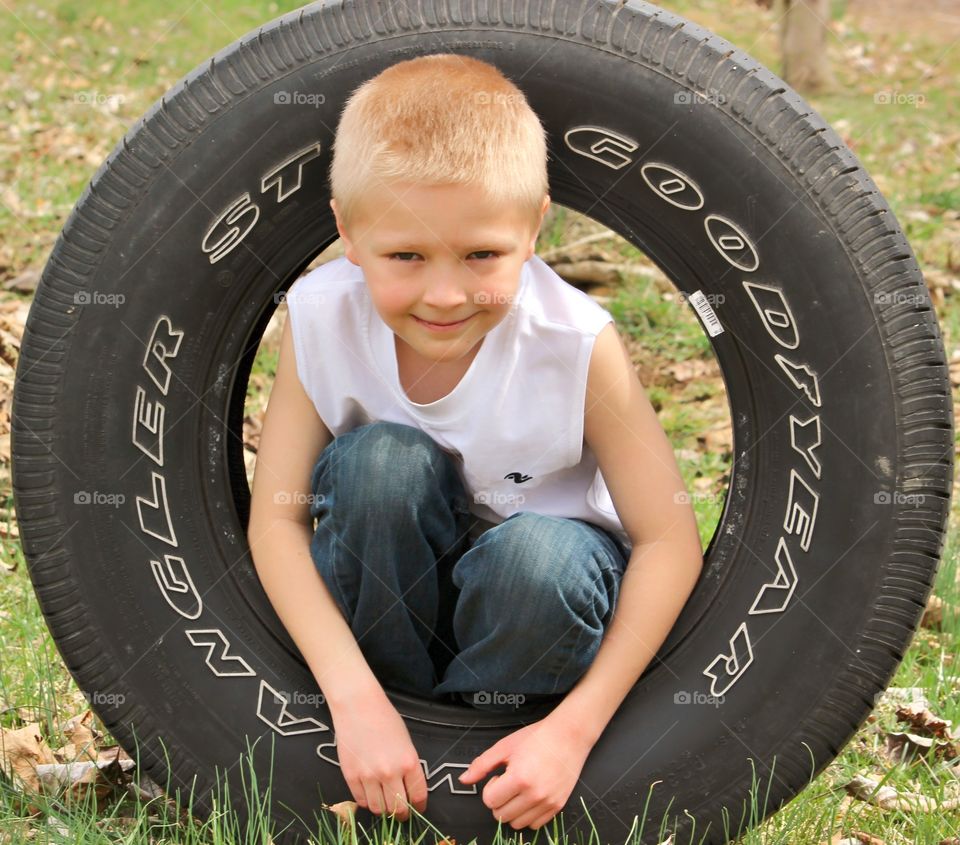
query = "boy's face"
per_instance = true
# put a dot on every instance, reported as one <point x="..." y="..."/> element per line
<point x="440" y="254"/>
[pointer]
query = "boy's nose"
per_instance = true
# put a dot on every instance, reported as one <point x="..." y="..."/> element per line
<point x="444" y="294"/>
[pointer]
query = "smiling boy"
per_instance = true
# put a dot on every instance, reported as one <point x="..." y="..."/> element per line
<point x="492" y="481"/>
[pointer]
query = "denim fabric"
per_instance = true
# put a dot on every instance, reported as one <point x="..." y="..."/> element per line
<point x="520" y="609"/>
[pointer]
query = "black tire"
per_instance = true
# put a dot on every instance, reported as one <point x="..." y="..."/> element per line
<point x="687" y="147"/>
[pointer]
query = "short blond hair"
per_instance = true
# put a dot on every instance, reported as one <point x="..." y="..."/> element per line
<point x="440" y="119"/>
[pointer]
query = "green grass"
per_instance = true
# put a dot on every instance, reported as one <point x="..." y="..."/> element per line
<point x="75" y="76"/>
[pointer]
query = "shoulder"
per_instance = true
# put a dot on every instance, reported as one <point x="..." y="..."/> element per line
<point x="337" y="275"/>
<point x="332" y="291"/>
<point x="609" y="362"/>
<point x="552" y="301"/>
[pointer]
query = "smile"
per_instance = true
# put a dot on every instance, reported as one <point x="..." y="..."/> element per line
<point x="439" y="327"/>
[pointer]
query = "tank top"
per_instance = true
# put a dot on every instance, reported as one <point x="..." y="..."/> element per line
<point x="513" y="424"/>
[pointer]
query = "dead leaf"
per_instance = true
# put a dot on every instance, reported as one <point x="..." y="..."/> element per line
<point x="21" y="751"/>
<point x="901" y="747"/>
<point x="933" y="613"/>
<point x="82" y="737"/>
<point x="344" y="810"/>
<point x="888" y="798"/>
<point x="924" y="722"/>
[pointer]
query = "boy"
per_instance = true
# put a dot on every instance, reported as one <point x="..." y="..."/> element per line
<point x="488" y="461"/>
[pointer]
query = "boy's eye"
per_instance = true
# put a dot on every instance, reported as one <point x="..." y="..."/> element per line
<point x="489" y="253"/>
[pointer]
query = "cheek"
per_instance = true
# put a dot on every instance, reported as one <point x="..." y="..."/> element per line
<point x="500" y="291"/>
<point x="391" y="297"/>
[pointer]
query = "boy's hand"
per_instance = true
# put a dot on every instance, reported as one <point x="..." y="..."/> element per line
<point x="377" y="758"/>
<point x="543" y="764"/>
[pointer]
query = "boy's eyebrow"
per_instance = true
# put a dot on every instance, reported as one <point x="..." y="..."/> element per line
<point x="401" y="244"/>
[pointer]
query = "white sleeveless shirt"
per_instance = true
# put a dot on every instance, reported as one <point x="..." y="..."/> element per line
<point x="514" y="422"/>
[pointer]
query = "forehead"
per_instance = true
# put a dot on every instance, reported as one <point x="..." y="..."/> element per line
<point x="449" y="216"/>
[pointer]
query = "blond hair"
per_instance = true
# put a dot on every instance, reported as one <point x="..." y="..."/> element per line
<point x="440" y="119"/>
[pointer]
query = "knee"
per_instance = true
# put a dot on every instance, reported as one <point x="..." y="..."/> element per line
<point x="385" y="459"/>
<point x="539" y="567"/>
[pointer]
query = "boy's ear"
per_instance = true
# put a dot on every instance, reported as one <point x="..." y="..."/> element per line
<point x="347" y="244"/>
<point x="536" y="231"/>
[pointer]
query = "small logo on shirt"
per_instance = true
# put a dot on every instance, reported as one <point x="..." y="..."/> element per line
<point x="518" y="477"/>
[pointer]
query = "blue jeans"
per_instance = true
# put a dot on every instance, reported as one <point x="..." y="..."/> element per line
<point x="514" y="617"/>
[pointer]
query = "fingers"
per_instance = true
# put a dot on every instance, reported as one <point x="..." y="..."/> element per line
<point x="397" y="801"/>
<point x="390" y="798"/>
<point x="374" y="796"/>
<point x="416" y="785"/>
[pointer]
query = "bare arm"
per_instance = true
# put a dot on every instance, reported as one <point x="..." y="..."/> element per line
<point x="280" y="531"/>
<point x="638" y="465"/>
<point x="281" y="553"/>
<point x="377" y="758"/>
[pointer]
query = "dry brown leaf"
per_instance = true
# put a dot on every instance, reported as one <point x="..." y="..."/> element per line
<point x="924" y="722"/>
<point x="902" y="747"/>
<point x="344" y="810"/>
<point x="888" y="798"/>
<point x="82" y="736"/>
<point x="933" y="613"/>
<point x="21" y="751"/>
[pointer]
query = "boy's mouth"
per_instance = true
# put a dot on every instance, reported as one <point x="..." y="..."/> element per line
<point x="441" y="325"/>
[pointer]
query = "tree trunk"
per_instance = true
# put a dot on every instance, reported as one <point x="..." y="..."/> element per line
<point x="803" y="43"/>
